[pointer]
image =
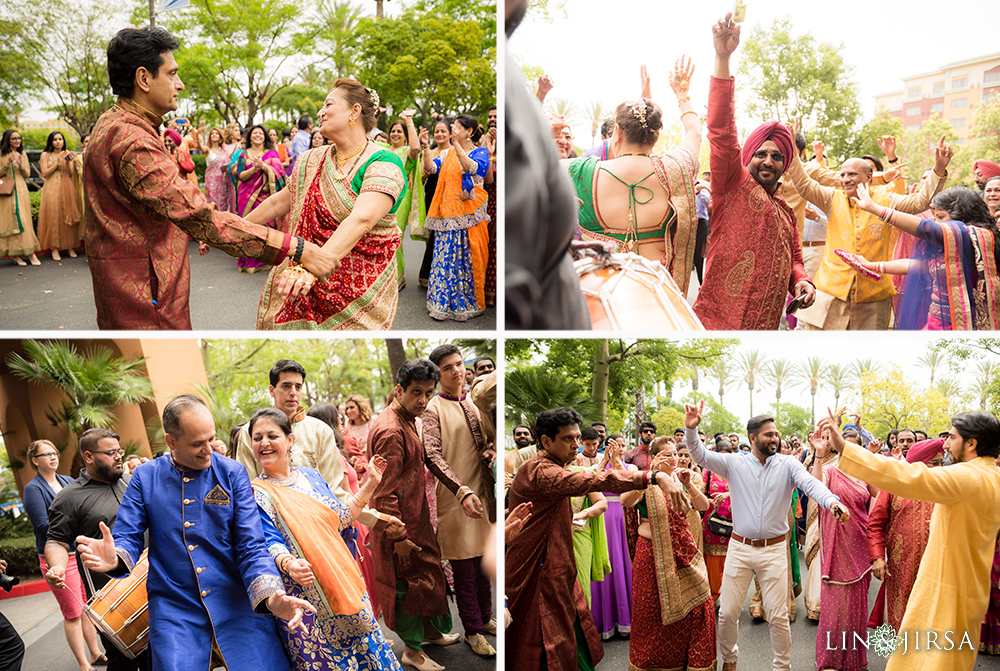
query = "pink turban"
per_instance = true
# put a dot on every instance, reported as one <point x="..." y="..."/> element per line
<point x="772" y="130"/>
<point x="925" y="450"/>
<point x="173" y="135"/>
<point x="988" y="168"/>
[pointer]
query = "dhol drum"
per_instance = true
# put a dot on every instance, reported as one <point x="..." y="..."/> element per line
<point x="628" y="291"/>
<point x="120" y="610"/>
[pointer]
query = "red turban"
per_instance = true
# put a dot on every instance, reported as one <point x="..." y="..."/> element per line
<point x="173" y="135"/>
<point x="925" y="450"/>
<point x="772" y="130"/>
<point x="988" y="168"/>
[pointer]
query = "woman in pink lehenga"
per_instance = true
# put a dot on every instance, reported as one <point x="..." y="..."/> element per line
<point x="845" y="566"/>
<point x="219" y="189"/>
<point x="258" y="174"/>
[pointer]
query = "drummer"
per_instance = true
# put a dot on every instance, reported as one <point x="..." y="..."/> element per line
<point x="79" y="509"/>
<point x="211" y="580"/>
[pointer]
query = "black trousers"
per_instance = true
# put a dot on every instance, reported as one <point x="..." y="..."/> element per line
<point x="11" y="646"/>
<point x="701" y="237"/>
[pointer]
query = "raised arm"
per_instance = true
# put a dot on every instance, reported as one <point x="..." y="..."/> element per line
<point x="724" y="159"/>
<point x="920" y="201"/>
<point x="810" y="189"/>
<point x="713" y="461"/>
<point x="680" y="83"/>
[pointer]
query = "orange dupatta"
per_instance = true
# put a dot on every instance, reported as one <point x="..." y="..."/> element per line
<point x="313" y="531"/>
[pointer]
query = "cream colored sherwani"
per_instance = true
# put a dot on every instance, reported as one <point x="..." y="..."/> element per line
<point x="457" y="429"/>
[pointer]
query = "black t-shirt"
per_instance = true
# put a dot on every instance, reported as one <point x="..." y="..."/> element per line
<point x="79" y="509"/>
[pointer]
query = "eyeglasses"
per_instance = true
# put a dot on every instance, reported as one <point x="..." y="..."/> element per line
<point x="47" y="454"/>
<point x="776" y="156"/>
<point x="114" y="453"/>
<point x="648" y="431"/>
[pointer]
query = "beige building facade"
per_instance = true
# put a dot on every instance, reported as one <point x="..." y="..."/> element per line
<point x="954" y="93"/>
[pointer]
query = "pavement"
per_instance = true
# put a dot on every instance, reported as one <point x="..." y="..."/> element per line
<point x="59" y="296"/>
<point x="755" y="643"/>
<point x="38" y="620"/>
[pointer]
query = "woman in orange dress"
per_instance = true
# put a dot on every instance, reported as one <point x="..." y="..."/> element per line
<point x="458" y="218"/>
<point x="59" y="213"/>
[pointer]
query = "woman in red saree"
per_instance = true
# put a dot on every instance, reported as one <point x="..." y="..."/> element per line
<point x="343" y="197"/>
<point x="673" y="622"/>
<point x="257" y="170"/>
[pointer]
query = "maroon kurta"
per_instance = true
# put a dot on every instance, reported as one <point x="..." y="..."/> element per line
<point x="394" y="436"/>
<point x="136" y="216"/>
<point x="754" y="257"/>
<point x="543" y="593"/>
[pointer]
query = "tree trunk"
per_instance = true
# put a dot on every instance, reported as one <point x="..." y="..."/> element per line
<point x="378" y="9"/>
<point x="750" y="386"/>
<point x="602" y="371"/>
<point x="397" y="355"/>
<point x="640" y="412"/>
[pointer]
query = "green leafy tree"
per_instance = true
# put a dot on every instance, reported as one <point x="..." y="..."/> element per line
<point x="792" y="420"/>
<point x="57" y="54"/>
<point x="430" y="62"/>
<point x="887" y="399"/>
<point x="724" y="373"/>
<point x="933" y="360"/>
<point x="95" y="383"/>
<point x="840" y="378"/>
<point x="779" y="372"/>
<point x="338" y="20"/>
<point x="812" y="372"/>
<point x="985" y="131"/>
<point x="866" y="141"/>
<point x="916" y="148"/>
<point x="785" y="76"/>
<point x="235" y="52"/>
<point x="752" y="364"/>
<point x="532" y="390"/>
<point x="595" y="115"/>
<point x="291" y="102"/>
<point x="715" y="417"/>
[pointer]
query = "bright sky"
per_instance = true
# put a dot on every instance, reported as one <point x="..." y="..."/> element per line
<point x="595" y="53"/>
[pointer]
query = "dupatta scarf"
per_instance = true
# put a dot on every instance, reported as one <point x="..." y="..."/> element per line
<point x="681" y="576"/>
<point x="312" y="532"/>
<point x="968" y="275"/>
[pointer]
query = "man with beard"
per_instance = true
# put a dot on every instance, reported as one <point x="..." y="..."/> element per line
<point x="489" y="140"/>
<point x="483" y="365"/>
<point x="551" y="624"/>
<point x="952" y="589"/>
<point x="79" y="509"/>
<point x="983" y="170"/>
<point x="411" y="585"/>
<point x="760" y="487"/>
<point x="542" y="286"/>
<point x="602" y="431"/>
<point x="905" y="440"/>
<point x="754" y="259"/>
<point x="212" y="583"/>
<point x="639" y="456"/>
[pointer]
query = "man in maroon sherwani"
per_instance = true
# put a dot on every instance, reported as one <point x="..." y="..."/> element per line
<point x="754" y="259"/>
<point x="548" y="610"/>
<point x="138" y="213"/>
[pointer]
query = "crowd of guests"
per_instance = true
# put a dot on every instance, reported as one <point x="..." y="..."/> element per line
<point x="329" y="199"/>
<point x="776" y="237"/>
<point x="357" y="516"/>
<point x="660" y="544"/>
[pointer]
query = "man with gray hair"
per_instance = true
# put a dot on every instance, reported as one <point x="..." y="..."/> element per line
<point x="211" y="580"/>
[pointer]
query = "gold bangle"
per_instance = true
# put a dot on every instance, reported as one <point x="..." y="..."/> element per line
<point x="685" y="99"/>
<point x="359" y="502"/>
<point x="688" y="112"/>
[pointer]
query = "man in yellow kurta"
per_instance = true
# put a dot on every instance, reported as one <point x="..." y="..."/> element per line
<point x="952" y="589"/>
<point x="844" y="299"/>
<point x="454" y="425"/>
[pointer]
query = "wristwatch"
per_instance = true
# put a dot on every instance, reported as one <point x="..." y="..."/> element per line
<point x="652" y="475"/>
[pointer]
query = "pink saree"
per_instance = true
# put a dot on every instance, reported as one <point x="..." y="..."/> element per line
<point x="251" y="193"/>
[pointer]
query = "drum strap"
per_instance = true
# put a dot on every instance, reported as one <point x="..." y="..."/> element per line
<point x="90" y="581"/>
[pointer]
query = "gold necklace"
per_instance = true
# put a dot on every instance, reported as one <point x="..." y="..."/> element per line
<point x="342" y="160"/>
<point x="341" y="175"/>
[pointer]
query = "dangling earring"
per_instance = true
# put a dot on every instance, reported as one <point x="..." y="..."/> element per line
<point x="352" y="123"/>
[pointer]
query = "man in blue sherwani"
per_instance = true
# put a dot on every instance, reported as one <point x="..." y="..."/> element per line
<point x="211" y="580"/>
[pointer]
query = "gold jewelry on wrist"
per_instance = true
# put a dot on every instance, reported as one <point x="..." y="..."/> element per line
<point x="359" y="502"/>
<point x="688" y="112"/>
<point x="683" y="99"/>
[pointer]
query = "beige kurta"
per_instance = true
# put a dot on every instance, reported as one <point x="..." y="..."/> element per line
<point x="315" y="446"/>
<point x="445" y="424"/>
<point x="17" y="232"/>
<point x="952" y="590"/>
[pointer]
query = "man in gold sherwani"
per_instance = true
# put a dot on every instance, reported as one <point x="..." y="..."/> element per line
<point x="138" y="214"/>
<point x="453" y="424"/>
<point x="952" y="590"/>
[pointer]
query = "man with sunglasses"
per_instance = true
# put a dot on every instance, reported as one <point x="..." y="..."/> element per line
<point x="640" y="456"/>
<point x="79" y="509"/>
<point x="754" y="259"/>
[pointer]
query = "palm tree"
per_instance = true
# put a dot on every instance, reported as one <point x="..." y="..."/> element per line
<point x="812" y="371"/>
<point x="595" y="115"/>
<point x="692" y="370"/>
<point x="932" y="361"/>
<point x="529" y="391"/>
<point x="840" y="378"/>
<point x="563" y="107"/>
<point x="751" y="364"/>
<point x="985" y="372"/>
<point x="949" y="387"/>
<point x="94" y="383"/>
<point x="724" y="374"/>
<point x="779" y="372"/>
<point x="862" y="366"/>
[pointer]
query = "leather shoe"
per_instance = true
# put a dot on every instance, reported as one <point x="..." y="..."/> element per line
<point x="446" y="639"/>
<point x="729" y="666"/>
<point x="491" y="627"/>
<point x="426" y="664"/>
<point x="480" y="645"/>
